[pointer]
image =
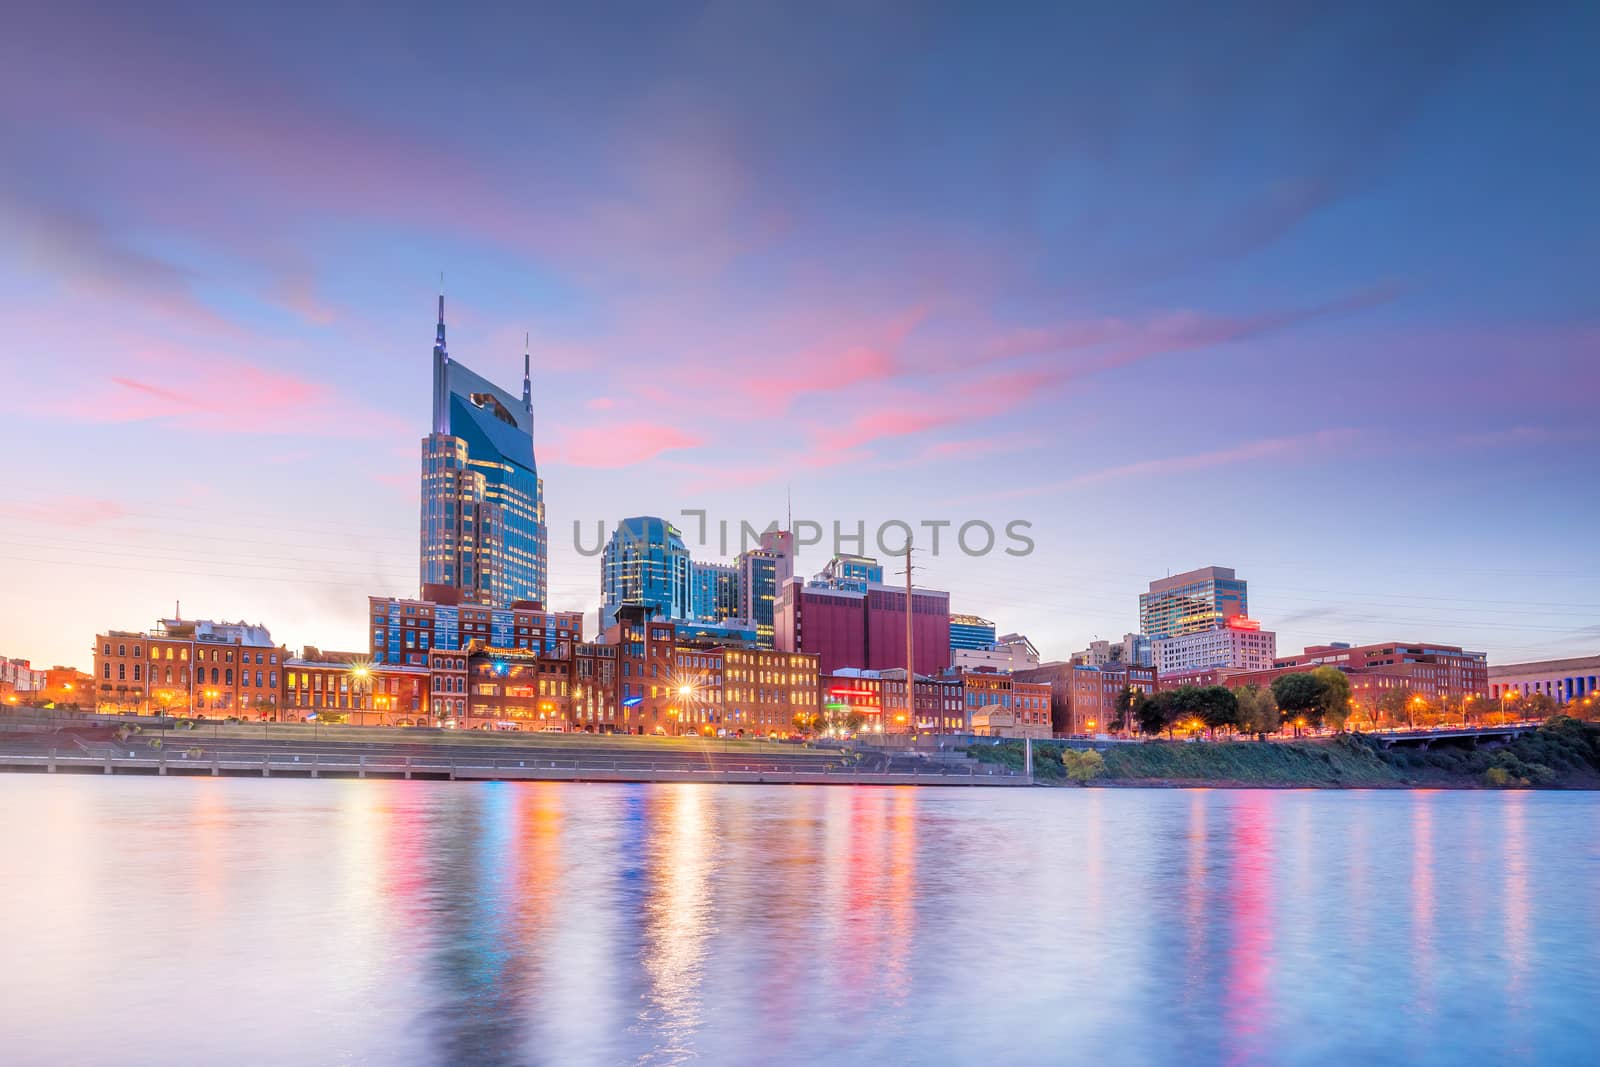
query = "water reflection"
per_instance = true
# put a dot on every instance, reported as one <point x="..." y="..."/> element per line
<point x="677" y="918"/>
<point x="419" y="923"/>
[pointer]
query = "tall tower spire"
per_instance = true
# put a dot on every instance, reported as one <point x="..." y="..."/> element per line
<point x="441" y="362"/>
<point x="527" y="381"/>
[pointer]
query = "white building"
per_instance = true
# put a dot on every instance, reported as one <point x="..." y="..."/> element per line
<point x="1241" y="643"/>
<point x="1132" y="651"/>
<point x="19" y="675"/>
<point x="1013" y="652"/>
<point x="1559" y="679"/>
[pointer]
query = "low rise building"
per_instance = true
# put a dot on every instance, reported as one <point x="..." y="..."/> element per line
<point x="1083" y="698"/>
<point x="191" y="667"/>
<point x="1562" y="680"/>
<point x="1239" y="642"/>
<point x="20" y="677"/>
<point x="1439" y="672"/>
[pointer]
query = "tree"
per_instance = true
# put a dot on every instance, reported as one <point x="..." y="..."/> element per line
<point x="1334" y="696"/>
<point x="1258" y="711"/>
<point x="1082" y="766"/>
<point x="1154" y="713"/>
<point x="1126" y="709"/>
<point x="1539" y="706"/>
<point x="1299" y="696"/>
<point x="1396" y="704"/>
<point x="1218" y="707"/>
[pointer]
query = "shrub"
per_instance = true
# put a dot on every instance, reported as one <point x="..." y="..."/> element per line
<point x="1497" y="777"/>
<point x="1082" y="766"/>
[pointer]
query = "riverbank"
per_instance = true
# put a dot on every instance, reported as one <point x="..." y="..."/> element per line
<point x="1562" y="754"/>
<point x="300" y="752"/>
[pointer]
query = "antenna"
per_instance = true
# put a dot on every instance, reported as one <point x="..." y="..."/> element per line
<point x="911" y="674"/>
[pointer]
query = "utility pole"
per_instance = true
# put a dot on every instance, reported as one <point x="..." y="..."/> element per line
<point x="911" y="674"/>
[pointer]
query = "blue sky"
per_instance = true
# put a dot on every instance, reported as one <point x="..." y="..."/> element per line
<point x="1302" y="291"/>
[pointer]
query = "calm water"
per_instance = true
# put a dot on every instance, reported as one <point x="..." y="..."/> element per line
<point x="202" y="921"/>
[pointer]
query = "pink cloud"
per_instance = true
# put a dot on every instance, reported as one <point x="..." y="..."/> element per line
<point x="218" y="394"/>
<point x="1320" y="441"/>
<point x="68" y="510"/>
<point x="600" y="403"/>
<point x="620" y="444"/>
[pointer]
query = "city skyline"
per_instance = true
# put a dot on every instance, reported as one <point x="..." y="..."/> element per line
<point x="1362" y="373"/>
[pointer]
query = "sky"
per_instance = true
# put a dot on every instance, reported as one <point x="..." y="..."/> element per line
<point x="1306" y="290"/>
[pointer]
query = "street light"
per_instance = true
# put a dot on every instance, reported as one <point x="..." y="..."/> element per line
<point x="1513" y="694"/>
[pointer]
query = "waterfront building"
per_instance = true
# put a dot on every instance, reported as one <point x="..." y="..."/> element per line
<point x="190" y="666"/>
<point x="762" y="572"/>
<point x="1196" y="600"/>
<point x="697" y="678"/>
<point x="1005" y="705"/>
<point x="847" y="623"/>
<point x="765" y="688"/>
<point x="405" y="631"/>
<point x="519" y="688"/>
<point x="1240" y="642"/>
<point x="19" y="676"/>
<point x="645" y="564"/>
<point x="646" y="697"/>
<point x="595" y="699"/>
<point x="1083" y="698"/>
<point x="972" y="633"/>
<point x="347" y="687"/>
<point x="1561" y="680"/>
<point x="483" y="529"/>
<point x="68" y="687"/>
<point x="1440" y="672"/>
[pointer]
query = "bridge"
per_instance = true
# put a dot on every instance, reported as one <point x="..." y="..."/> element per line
<point x="1475" y="734"/>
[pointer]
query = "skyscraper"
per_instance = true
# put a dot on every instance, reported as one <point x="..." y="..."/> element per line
<point x="1191" y="602"/>
<point x="762" y="572"/>
<point x="645" y="563"/>
<point x="483" y="526"/>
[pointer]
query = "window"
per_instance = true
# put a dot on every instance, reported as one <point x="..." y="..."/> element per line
<point x="272" y="677"/>
<point x="122" y="650"/>
<point x="227" y="677"/>
<point x="105" y="669"/>
<point x="108" y="648"/>
<point x="122" y="672"/>
<point x="214" y="673"/>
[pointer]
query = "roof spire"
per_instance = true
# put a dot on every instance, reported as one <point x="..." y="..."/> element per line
<point x="527" y="381"/>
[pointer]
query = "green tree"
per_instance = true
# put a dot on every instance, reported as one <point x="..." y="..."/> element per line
<point x="1154" y="713"/>
<point x="1258" y="711"/>
<point x="1299" y="696"/>
<point x="1333" y="696"/>
<point x="1538" y="706"/>
<point x="1126" y="709"/>
<point x="1396" y="705"/>
<point x="1082" y="766"/>
<point x="1218" y="707"/>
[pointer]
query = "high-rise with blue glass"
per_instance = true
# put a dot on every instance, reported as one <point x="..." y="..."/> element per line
<point x="483" y="527"/>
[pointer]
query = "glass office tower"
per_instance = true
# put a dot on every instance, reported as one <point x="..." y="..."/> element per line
<point x="483" y="522"/>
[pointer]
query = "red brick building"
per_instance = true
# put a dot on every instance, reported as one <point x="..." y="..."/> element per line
<point x="1083" y="698"/>
<point x="862" y="626"/>
<point x="190" y="667"/>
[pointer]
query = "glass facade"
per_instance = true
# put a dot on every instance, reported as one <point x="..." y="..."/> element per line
<point x="645" y="563"/>
<point x="483" y="527"/>
<point x="714" y="591"/>
<point x="1192" y="602"/>
<point x="971" y="632"/>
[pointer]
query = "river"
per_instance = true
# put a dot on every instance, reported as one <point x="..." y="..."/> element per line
<point x="209" y="921"/>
